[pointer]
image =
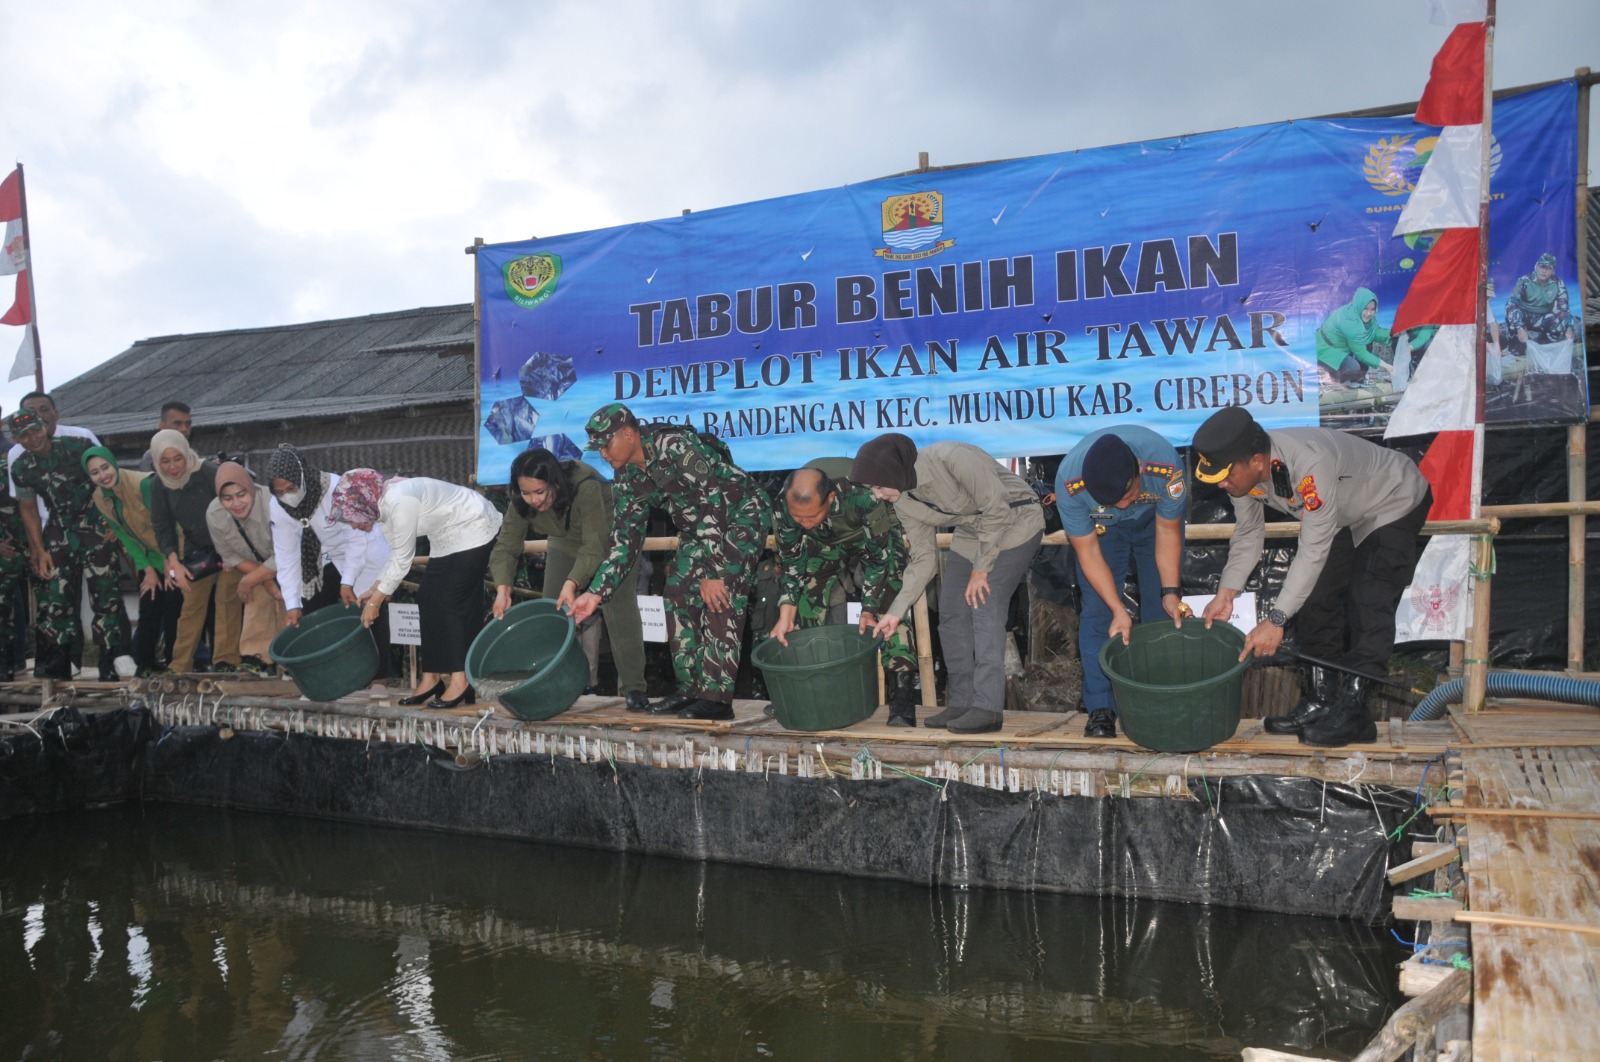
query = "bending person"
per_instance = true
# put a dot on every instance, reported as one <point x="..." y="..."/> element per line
<point x="998" y="523"/>
<point x="123" y="499"/>
<point x="461" y="526"/>
<point x="568" y="503"/>
<point x="722" y="518"/>
<point x="241" y="529"/>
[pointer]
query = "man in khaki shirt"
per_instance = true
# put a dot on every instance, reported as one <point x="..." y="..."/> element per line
<point x="1361" y="508"/>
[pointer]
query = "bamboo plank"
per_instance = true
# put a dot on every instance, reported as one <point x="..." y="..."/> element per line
<point x="1422" y="864"/>
<point x="1433" y="909"/>
<point x="1265" y="1054"/>
<point x="1512" y="813"/>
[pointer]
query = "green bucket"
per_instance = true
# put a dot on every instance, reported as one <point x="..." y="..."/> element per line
<point x="330" y="654"/>
<point x="826" y="679"/>
<point x="537" y="652"/>
<point x="1177" y="689"/>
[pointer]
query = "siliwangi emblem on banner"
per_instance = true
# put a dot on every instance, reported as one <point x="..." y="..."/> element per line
<point x="912" y="227"/>
<point x="532" y="278"/>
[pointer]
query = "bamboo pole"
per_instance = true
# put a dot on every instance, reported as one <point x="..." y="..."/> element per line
<point x="1577" y="434"/>
<point x="1494" y="918"/>
<point x="924" y="632"/>
<point x="1446" y="811"/>
<point x="1476" y="669"/>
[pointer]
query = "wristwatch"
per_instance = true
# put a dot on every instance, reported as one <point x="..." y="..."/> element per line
<point x="1277" y="617"/>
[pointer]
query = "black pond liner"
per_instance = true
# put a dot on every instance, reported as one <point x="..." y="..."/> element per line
<point x="1290" y="845"/>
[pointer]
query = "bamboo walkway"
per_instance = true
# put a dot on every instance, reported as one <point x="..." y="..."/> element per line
<point x="1528" y="805"/>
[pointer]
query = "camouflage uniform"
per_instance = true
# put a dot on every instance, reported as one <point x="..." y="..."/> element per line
<point x="859" y="531"/>
<point x="12" y="569"/>
<point x="722" y="519"/>
<point x="77" y="543"/>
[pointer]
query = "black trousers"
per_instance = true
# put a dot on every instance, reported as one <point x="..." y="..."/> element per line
<point x="451" y="608"/>
<point x="1349" y="617"/>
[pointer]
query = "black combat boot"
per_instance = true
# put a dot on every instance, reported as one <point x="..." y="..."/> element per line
<point x="1318" y="692"/>
<point x="902" y="698"/>
<point x="51" y="662"/>
<point x="1347" y="721"/>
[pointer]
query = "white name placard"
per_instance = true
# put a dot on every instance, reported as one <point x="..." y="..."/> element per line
<point x="653" y="615"/>
<point x="405" y="625"/>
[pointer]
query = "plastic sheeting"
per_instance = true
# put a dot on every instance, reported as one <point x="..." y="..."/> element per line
<point x="1268" y="844"/>
<point x="70" y="760"/>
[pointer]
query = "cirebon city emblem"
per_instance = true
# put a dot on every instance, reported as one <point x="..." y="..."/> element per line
<point x="912" y="227"/>
<point x="532" y="278"/>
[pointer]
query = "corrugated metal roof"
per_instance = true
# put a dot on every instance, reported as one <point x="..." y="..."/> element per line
<point x="382" y="361"/>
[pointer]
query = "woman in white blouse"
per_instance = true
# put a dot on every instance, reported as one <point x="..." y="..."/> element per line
<point x="461" y="526"/>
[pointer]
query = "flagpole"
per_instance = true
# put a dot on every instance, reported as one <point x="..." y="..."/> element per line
<point x="1481" y="339"/>
<point x="1476" y="671"/>
<point x="33" y="309"/>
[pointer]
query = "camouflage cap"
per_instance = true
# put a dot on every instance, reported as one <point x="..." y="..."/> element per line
<point x="606" y="421"/>
<point x="23" y="421"/>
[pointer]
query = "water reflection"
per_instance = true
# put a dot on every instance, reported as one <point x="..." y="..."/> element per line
<point x="184" y="933"/>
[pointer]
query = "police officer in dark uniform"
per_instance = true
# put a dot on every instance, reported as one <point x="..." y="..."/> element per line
<point x="1360" y="508"/>
<point x="1122" y="498"/>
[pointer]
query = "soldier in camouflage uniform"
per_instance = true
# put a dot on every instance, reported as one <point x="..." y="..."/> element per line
<point x="722" y="520"/>
<point x="13" y="566"/>
<point x="825" y="530"/>
<point x="69" y="548"/>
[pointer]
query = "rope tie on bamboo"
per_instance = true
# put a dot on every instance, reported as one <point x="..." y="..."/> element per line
<point x="868" y="755"/>
<point x="1483" y="575"/>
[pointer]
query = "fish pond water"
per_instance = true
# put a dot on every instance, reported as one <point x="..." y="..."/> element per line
<point x="186" y="933"/>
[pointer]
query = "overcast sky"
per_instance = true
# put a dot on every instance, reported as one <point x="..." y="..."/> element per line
<point x="198" y="166"/>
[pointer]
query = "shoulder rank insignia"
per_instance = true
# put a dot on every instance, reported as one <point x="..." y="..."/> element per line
<point x="1280" y="479"/>
<point x="1153" y="468"/>
<point x="1074" y="486"/>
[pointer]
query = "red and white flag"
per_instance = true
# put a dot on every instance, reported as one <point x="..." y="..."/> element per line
<point x="14" y="260"/>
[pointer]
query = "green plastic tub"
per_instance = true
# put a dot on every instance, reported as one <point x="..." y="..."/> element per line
<point x="329" y="655"/>
<point x="1177" y="689"/>
<point x="827" y="678"/>
<point x="531" y="663"/>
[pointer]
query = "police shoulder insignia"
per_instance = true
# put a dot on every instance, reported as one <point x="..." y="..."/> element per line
<point x="1155" y="468"/>
<point x="1308" y="491"/>
<point x="1175" y="486"/>
<point x="1074" y="486"/>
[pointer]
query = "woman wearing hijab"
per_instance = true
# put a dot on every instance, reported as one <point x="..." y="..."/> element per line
<point x="320" y="562"/>
<point x="241" y="529"/>
<point x="998" y="524"/>
<point x="123" y="500"/>
<point x="461" y="526"/>
<point x="572" y="506"/>
<point x="1345" y="340"/>
<point x="185" y="488"/>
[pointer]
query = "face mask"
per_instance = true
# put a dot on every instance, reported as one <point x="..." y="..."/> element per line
<point x="292" y="498"/>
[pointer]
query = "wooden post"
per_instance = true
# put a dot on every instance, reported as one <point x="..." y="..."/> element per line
<point x="1400" y="1032"/>
<point x="1577" y="434"/>
<point x="1476" y="671"/>
<point x="930" y="686"/>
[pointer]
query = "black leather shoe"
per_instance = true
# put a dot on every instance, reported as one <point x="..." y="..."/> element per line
<point x="1319" y="693"/>
<point x="422" y="696"/>
<point x="671" y="703"/>
<point x="1102" y="724"/>
<point x="466" y="695"/>
<point x="52" y="666"/>
<point x="977" y="721"/>
<point x="704" y="709"/>
<point x="940" y="720"/>
<point x="637" y="701"/>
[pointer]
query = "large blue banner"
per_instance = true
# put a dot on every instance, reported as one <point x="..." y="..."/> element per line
<point x="1017" y="305"/>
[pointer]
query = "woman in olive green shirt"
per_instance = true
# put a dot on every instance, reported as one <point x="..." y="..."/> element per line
<point x="567" y="502"/>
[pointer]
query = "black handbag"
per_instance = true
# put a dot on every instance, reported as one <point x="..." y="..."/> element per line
<point x="202" y="563"/>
